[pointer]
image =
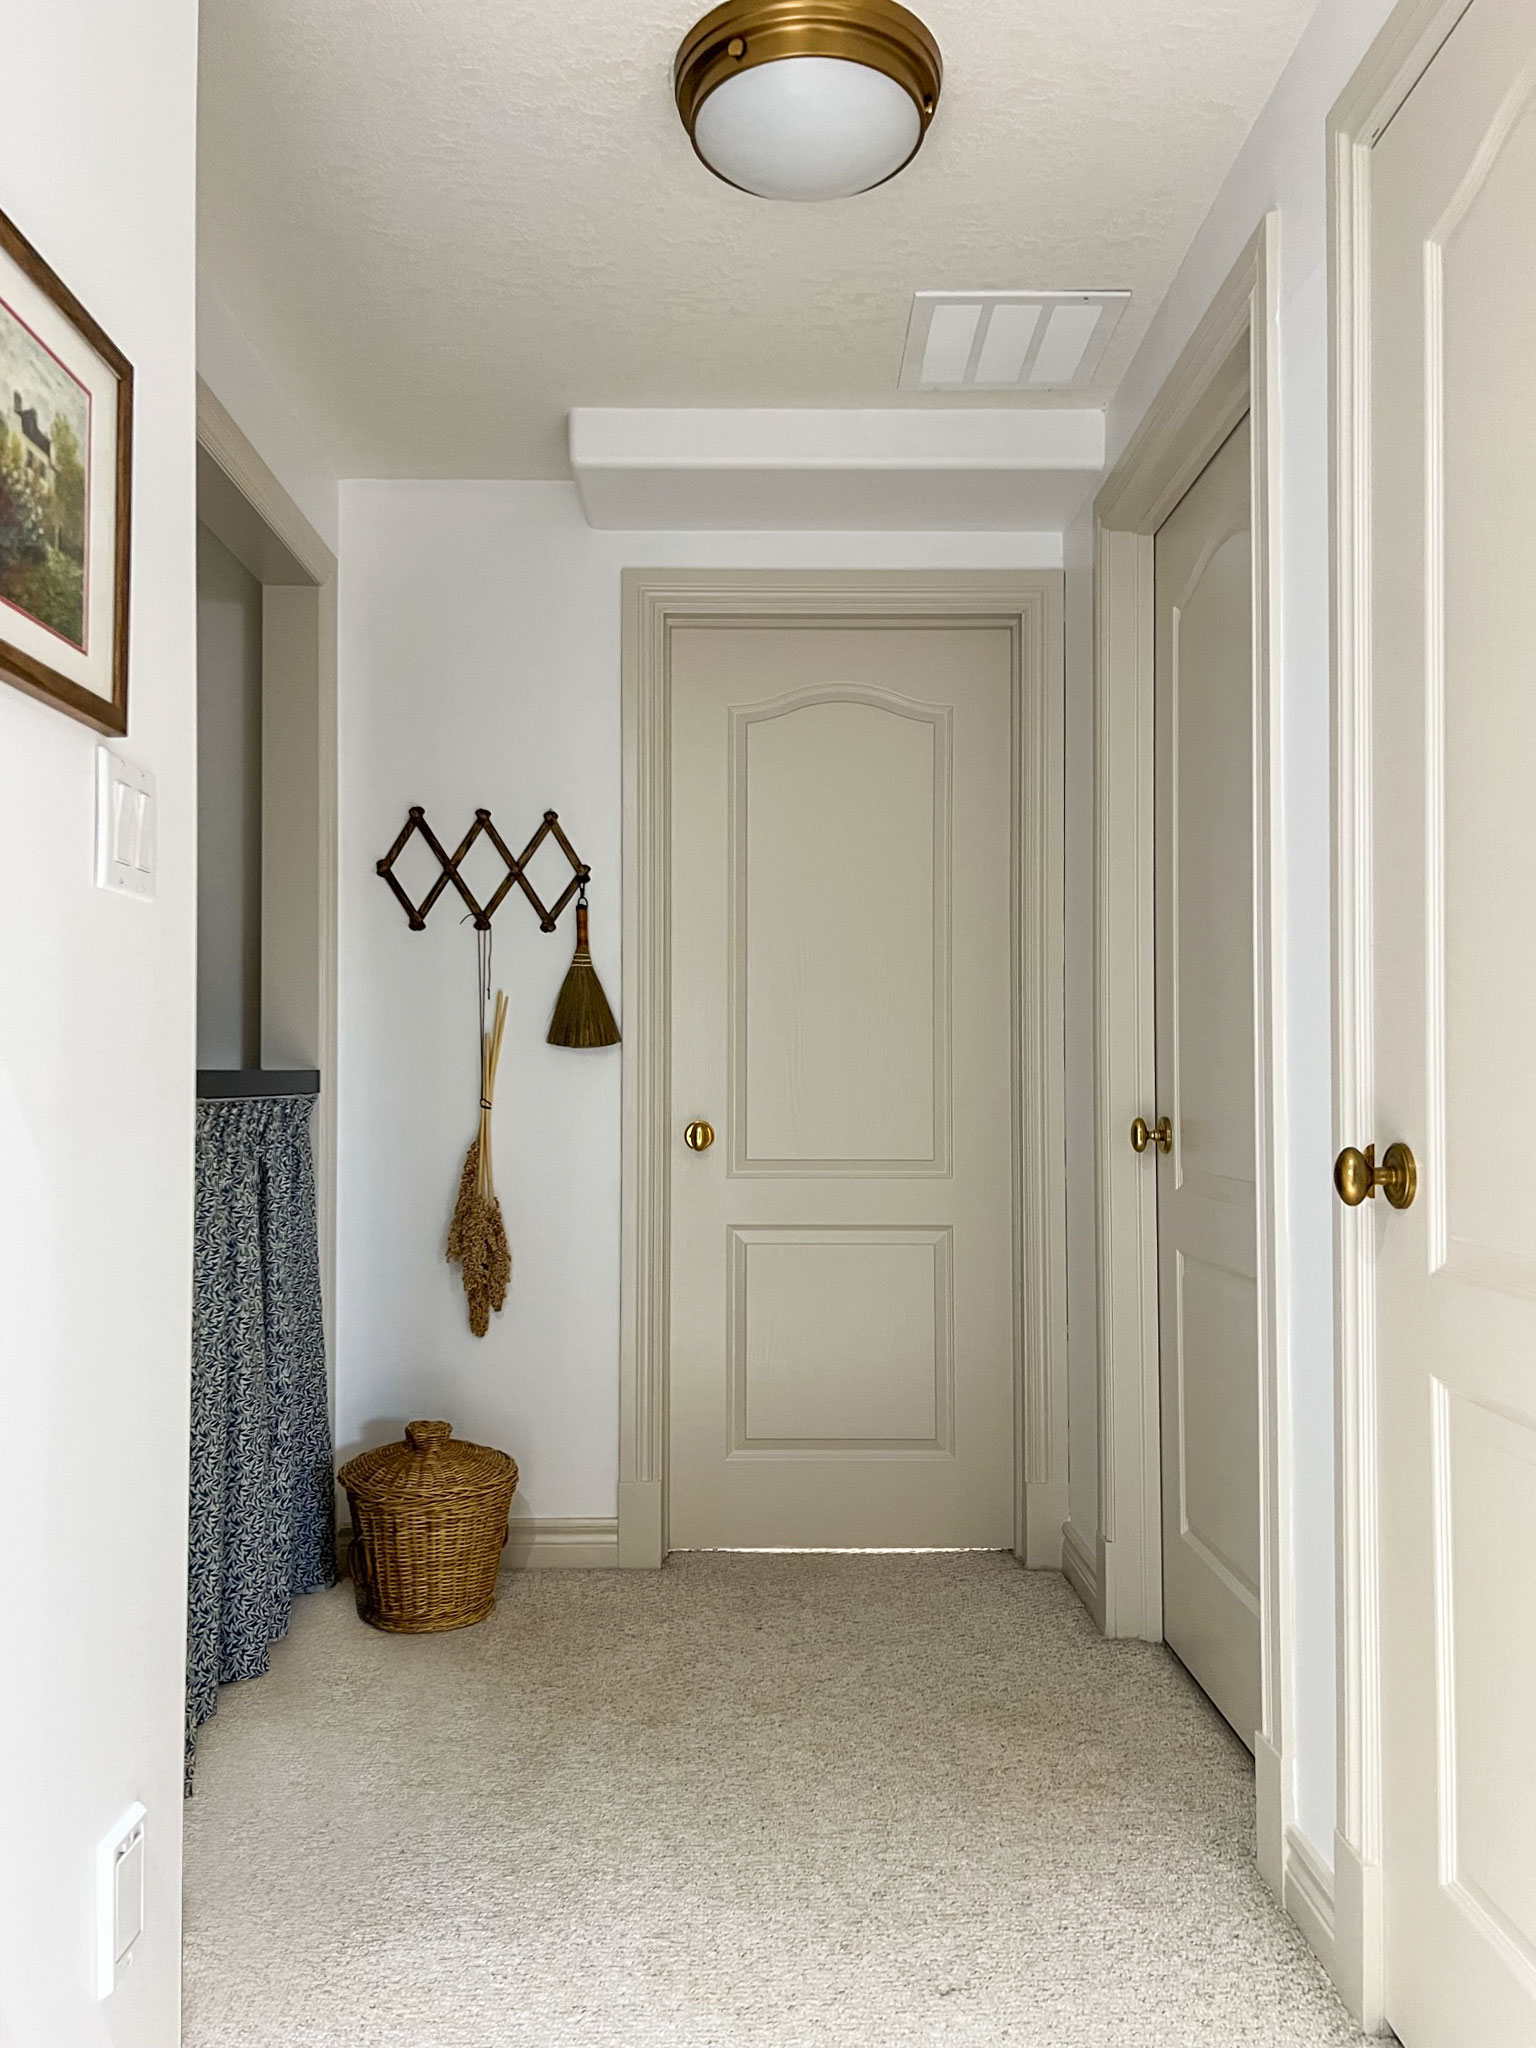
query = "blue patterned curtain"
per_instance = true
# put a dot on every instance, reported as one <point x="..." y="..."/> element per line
<point x="262" y="1500"/>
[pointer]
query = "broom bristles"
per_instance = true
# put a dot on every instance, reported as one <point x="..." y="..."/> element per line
<point x="582" y="1017"/>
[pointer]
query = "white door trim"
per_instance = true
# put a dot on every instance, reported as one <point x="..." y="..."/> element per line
<point x="1229" y="366"/>
<point x="1029" y="606"/>
<point x="1392" y="67"/>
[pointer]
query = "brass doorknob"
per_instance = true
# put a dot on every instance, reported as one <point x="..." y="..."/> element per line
<point x="1357" y="1176"/>
<point x="1144" y="1134"/>
<point x="698" y="1136"/>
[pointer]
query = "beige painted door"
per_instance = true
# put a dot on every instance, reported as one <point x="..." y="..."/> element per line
<point x="1206" y="1196"/>
<point x="1453" y="689"/>
<point x="841" y="1304"/>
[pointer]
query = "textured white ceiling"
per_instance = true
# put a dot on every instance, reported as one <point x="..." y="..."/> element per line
<point x="446" y="222"/>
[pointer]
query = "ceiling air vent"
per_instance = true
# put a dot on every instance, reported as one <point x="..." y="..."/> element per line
<point x="1007" y="341"/>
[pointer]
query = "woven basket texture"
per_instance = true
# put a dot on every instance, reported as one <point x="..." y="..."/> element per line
<point x="429" y="1519"/>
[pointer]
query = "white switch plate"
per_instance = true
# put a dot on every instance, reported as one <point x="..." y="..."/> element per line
<point x="125" y="826"/>
<point x="119" y="1898"/>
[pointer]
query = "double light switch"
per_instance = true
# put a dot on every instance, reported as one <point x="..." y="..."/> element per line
<point x="125" y="826"/>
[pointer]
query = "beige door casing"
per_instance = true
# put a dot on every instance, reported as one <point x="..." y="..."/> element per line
<point x="1027" y="606"/>
<point x="1229" y="367"/>
<point x="1371" y="105"/>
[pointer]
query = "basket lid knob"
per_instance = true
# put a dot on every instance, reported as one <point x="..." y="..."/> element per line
<point x="427" y="1436"/>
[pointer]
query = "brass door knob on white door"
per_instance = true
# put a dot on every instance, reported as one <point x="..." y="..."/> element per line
<point x="699" y="1135"/>
<point x="1357" y="1176"/>
<point x="1144" y="1134"/>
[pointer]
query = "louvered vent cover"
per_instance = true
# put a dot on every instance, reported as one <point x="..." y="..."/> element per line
<point x="1007" y="341"/>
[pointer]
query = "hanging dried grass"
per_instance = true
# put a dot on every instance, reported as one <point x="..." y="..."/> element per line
<point x="477" y="1237"/>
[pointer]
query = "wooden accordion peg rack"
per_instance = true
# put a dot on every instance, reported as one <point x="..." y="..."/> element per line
<point x="515" y="878"/>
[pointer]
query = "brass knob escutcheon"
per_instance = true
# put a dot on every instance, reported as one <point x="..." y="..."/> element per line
<point x="698" y="1136"/>
<point x="1357" y="1176"/>
<point x="1144" y="1134"/>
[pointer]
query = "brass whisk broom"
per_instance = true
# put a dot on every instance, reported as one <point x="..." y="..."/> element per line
<point x="582" y="1017"/>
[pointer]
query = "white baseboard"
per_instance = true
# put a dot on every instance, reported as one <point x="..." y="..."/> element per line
<point x="581" y="1542"/>
<point x="1357" y="1966"/>
<point x="1045" y="1509"/>
<point x="1269" y="1779"/>
<point x="1080" y="1567"/>
<point x="1308" y="1895"/>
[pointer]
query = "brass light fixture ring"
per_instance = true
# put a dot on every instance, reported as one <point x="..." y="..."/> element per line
<point x="743" y="33"/>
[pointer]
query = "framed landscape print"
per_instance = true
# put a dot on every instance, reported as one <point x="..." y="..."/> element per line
<point x="66" y="461"/>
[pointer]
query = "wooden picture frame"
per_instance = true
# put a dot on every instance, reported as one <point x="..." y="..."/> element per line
<point x="66" y="471"/>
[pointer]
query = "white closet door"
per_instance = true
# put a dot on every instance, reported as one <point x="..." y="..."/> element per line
<point x="1453" y="683"/>
<point x="1207" y="1200"/>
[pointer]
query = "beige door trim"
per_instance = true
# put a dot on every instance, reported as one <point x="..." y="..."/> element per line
<point x="243" y="503"/>
<point x="1029" y="606"/>
<point x="1229" y="367"/>
<point x="1392" y="67"/>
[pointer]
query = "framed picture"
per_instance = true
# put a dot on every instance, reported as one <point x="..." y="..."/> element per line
<point x="66" y="465"/>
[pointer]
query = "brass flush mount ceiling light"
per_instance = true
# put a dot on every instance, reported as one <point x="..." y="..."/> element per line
<point x="807" y="99"/>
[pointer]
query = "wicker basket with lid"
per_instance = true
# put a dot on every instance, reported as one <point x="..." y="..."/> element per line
<point x="429" y="1519"/>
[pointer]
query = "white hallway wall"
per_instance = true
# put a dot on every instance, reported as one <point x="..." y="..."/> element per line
<point x="1282" y="167"/>
<point x="480" y="627"/>
<point x="96" y="1059"/>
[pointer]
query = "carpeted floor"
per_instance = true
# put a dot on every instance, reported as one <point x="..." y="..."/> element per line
<point x="766" y="1802"/>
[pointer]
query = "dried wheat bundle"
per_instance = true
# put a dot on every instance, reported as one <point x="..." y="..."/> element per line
<point x="477" y="1237"/>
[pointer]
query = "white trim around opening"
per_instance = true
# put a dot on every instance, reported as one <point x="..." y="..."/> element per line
<point x="1228" y="367"/>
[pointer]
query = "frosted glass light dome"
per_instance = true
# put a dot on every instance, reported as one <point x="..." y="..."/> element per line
<point x="807" y="128"/>
<point x="807" y="99"/>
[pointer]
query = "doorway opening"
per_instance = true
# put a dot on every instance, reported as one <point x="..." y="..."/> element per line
<point x="907" y="1258"/>
<point x="1227" y="371"/>
<point x="262" y="1519"/>
<point x="266" y="787"/>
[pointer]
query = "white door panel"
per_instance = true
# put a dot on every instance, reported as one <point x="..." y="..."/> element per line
<point x="1207" y="1196"/>
<point x="841" y="1312"/>
<point x="1453" y="624"/>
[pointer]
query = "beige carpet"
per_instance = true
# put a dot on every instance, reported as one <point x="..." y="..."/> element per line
<point x="868" y="1802"/>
